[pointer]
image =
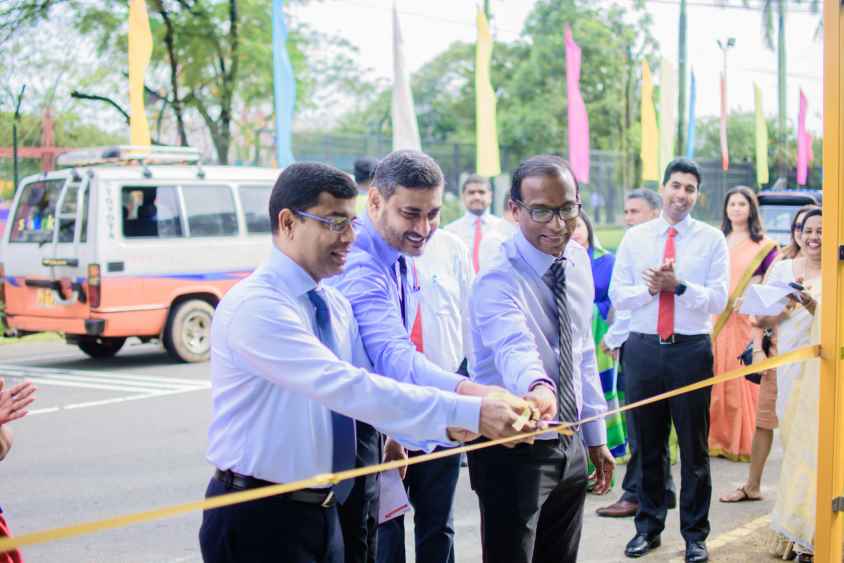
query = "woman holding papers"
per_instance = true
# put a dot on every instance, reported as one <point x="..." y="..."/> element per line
<point x="733" y="408"/>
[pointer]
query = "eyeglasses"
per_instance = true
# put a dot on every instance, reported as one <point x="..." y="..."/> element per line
<point x="335" y="224"/>
<point x="546" y="214"/>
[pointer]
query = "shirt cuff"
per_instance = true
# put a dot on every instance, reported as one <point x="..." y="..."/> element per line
<point x="694" y="297"/>
<point x="466" y="413"/>
<point x="445" y="380"/>
<point x="615" y="340"/>
<point x="529" y="379"/>
<point x="595" y="433"/>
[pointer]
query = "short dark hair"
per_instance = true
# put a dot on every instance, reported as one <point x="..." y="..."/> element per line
<point x="474" y="179"/>
<point x="754" y="222"/>
<point x="365" y="169"/>
<point x="683" y="165"/>
<point x="816" y="212"/>
<point x="649" y="196"/>
<point x="407" y="168"/>
<point x="299" y="185"/>
<point x="540" y="165"/>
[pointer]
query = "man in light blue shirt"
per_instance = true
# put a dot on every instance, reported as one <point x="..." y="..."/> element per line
<point x="531" y="315"/>
<point x="287" y="379"/>
<point x="403" y="213"/>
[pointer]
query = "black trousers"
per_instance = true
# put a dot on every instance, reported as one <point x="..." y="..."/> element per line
<point x="633" y="475"/>
<point x="652" y="368"/>
<point x="359" y="514"/>
<point x="531" y="501"/>
<point x="269" y="530"/>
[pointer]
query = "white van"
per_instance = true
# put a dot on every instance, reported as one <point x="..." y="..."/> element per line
<point x="125" y="242"/>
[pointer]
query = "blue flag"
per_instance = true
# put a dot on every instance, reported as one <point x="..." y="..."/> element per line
<point x="284" y="88"/>
<point x="690" y="136"/>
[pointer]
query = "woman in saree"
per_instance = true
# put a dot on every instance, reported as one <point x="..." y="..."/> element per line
<point x="793" y="517"/>
<point x="602" y="265"/>
<point x="733" y="405"/>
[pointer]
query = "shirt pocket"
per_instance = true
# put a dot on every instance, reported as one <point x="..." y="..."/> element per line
<point x="443" y="296"/>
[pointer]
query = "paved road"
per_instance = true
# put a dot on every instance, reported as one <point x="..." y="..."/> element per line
<point x="129" y="434"/>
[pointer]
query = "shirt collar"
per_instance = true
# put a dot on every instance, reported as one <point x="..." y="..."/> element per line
<point x="380" y="248"/>
<point x="298" y="281"/>
<point x="471" y="217"/>
<point x="682" y="227"/>
<point x="536" y="259"/>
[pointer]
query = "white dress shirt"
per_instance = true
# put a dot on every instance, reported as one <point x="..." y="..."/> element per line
<point x="491" y="243"/>
<point x="701" y="263"/>
<point x="274" y="383"/>
<point x="446" y="276"/>
<point x="465" y="229"/>
<point x="516" y="333"/>
<point x="619" y="330"/>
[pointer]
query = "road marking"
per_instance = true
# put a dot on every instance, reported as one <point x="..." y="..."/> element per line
<point x="140" y="386"/>
<point x="733" y="536"/>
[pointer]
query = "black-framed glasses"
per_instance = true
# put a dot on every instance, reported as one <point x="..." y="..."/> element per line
<point x="546" y="214"/>
<point x="335" y="224"/>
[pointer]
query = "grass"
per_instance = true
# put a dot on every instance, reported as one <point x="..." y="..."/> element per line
<point x="610" y="237"/>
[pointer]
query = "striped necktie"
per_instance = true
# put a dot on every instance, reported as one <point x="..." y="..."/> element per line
<point x="342" y="427"/>
<point x="555" y="277"/>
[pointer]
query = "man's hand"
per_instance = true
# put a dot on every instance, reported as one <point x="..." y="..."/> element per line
<point x="604" y="463"/>
<point x="611" y="352"/>
<point x="545" y="400"/>
<point x="393" y="451"/>
<point x="661" y="279"/>
<point x="472" y="389"/>
<point x="13" y="402"/>
<point x="498" y="415"/>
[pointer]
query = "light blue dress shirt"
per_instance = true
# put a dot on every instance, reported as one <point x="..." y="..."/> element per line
<point x="274" y="384"/>
<point x="516" y="334"/>
<point x="369" y="282"/>
<point x="701" y="262"/>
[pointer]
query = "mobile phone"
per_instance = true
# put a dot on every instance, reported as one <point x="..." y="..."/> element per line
<point x="797" y="286"/>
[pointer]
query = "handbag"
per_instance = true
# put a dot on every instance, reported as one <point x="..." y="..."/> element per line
<point x="746" y="357"/>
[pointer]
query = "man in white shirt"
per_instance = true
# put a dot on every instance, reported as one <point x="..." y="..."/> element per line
<point x="672" y="274"/>
<point x="640" y="206"/>
<point x="503" y="231"/>
<point x="478" y="221"/>
<point x="441" y="332"/>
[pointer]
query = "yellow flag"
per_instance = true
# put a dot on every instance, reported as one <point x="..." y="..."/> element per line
<point x="761" y="139"/>
<point x="140" y="51"/>
<point x="650" y="132"/>
<point x="488" y="158"/>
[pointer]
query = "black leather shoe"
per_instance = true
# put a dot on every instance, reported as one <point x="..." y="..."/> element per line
<point x="696" y="552"/>
<point x="641" y="545"/>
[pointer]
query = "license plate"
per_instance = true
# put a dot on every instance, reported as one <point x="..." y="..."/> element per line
<point x="44" y="298"/>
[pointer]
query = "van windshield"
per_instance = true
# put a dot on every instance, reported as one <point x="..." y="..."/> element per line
<point x="35" y="217"/>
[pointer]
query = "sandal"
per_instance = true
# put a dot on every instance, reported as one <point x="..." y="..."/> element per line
<point x="739" y="495"/>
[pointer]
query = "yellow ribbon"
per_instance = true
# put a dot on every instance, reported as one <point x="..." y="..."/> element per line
<point x="33" y="538"/>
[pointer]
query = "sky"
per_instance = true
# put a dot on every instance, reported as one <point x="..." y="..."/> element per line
<point x="429" y="26"/>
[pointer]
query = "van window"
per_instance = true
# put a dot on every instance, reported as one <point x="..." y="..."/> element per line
<point x="35" y="217"/>
<point x="67" y="215"/>
<point x="256" y="203"/>
<point x="151" y="211"/>
<point x="86" y="199"/>
<point x="210" y="211"/>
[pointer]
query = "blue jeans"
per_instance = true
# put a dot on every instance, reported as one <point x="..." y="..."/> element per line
<point x="431" y="488"/>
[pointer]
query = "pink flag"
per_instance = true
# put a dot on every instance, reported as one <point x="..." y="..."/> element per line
<point x="804" y="142"/>
<point x="578" y="119"/>
<point x="725" y="152"/>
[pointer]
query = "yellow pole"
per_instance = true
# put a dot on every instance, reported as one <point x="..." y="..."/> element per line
<point x="829" y="516"/>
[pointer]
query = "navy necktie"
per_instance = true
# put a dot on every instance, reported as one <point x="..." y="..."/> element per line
<point x="342" y="427"/>
<point x="402" y="287"/>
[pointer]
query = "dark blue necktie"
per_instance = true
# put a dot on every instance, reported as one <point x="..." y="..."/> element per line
<point x="343" y="427"/>
<point x="402" y="286"/>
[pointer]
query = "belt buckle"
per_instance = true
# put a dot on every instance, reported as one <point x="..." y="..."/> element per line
<point x="667" y="341"/>
<point x="328" y="502"/>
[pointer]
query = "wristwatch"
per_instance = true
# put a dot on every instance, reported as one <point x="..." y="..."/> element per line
<point x="680" y="288"/>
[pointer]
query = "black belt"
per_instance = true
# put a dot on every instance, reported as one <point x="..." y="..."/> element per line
<point x="673" y="339"/>
<point x="323" y="497"/>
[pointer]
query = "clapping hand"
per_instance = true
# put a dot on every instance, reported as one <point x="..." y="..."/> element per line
<point x="13" y="401"/>
<point x="661" y="279"/>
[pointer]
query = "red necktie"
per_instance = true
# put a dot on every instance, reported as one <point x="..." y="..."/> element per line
<point x="665" y="322"/>
<point x="416" y="333"/>
<point x="476" y="247"/>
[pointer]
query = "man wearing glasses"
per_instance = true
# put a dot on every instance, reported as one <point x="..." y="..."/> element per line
<point x="531" y="317"/>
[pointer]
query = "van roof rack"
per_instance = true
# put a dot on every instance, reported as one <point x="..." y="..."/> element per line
<point x="125" y="154"/>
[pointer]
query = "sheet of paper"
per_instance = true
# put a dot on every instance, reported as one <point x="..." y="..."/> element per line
<point x="393" y="499"/>
<point x="768" y="299"/>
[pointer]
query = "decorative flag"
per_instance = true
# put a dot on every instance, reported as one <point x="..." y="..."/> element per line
<point x="578" y="118"/>
<point x="690" y="135"/>
<point x="405" y="128"/>
<point x="761" y="139"/>
<point x="284" y="88"/>
<point x="725" y="153"/>
<point x="140" y="51"/>
<point x="804" y="142"/>
<point x="488" y="158"/>
<point x="667" y="112"/>
<point x="650" y="133"/>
